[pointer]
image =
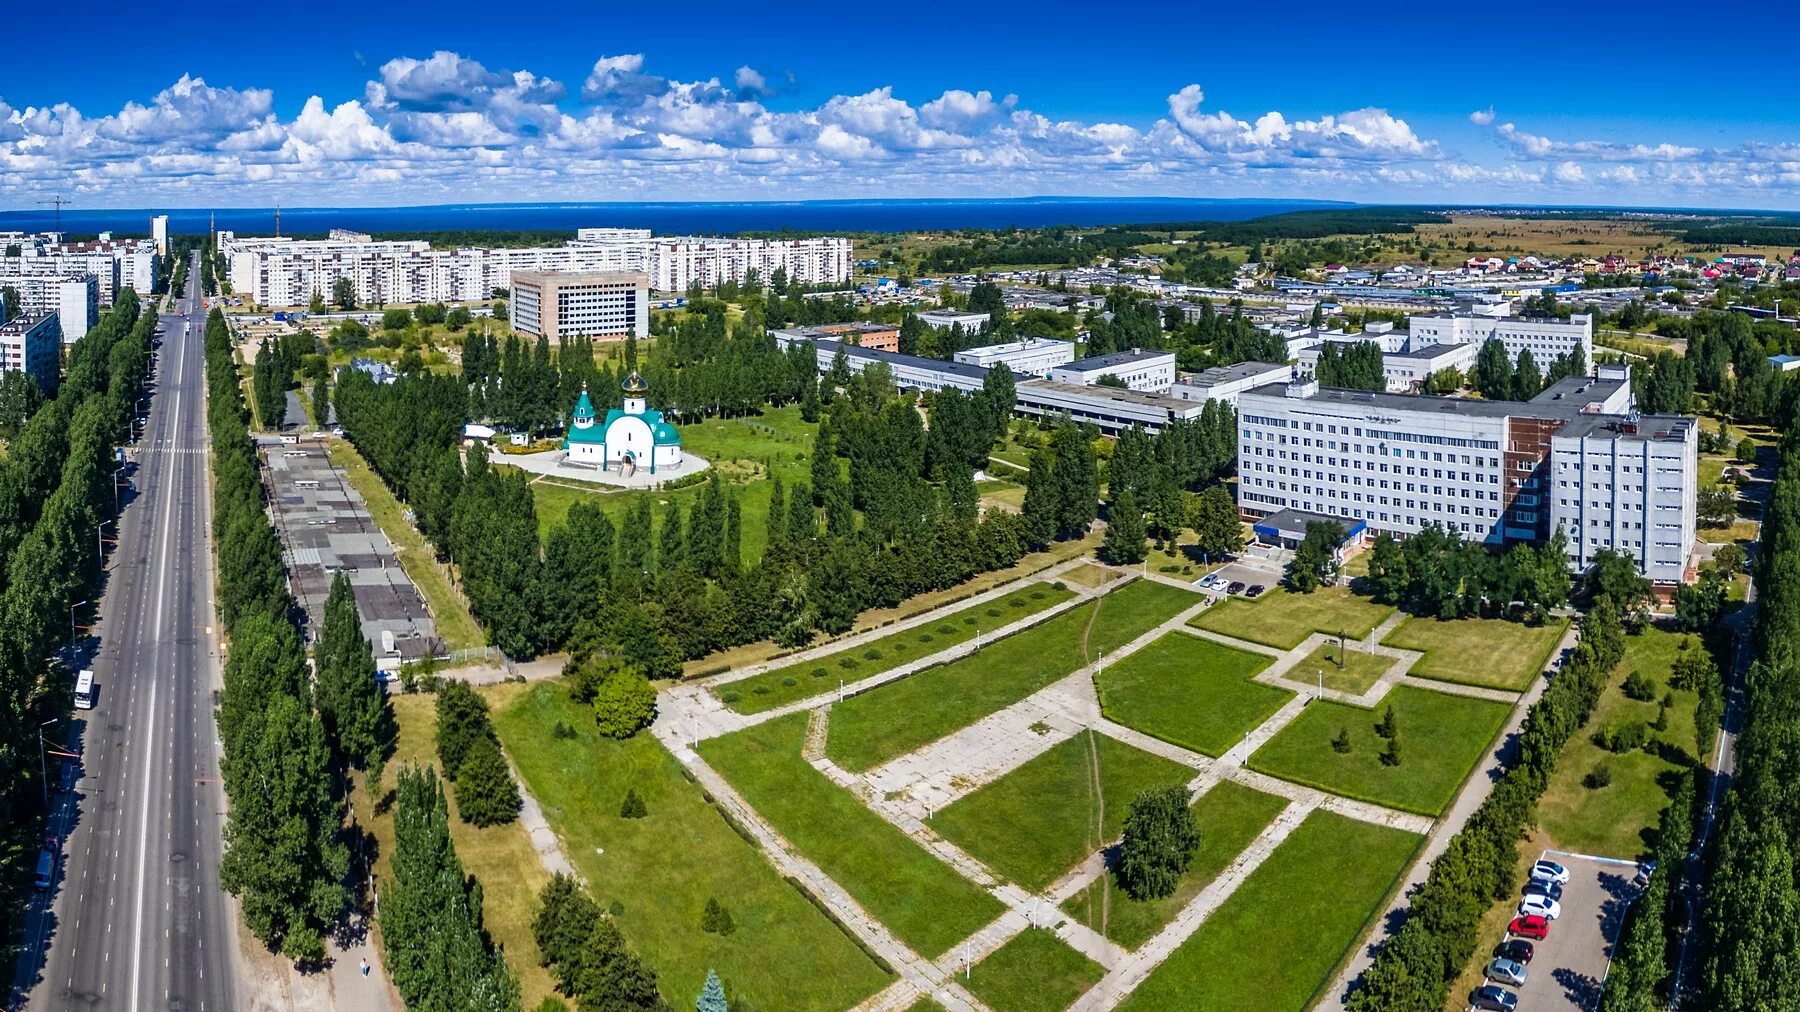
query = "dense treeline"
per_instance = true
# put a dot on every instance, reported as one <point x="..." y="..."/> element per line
<point x="54" y="493"/>
<point x="1353" y="366"/>
<point x="1413" y="969"/>
<point x="1438" y="573"/>
<point x="1751" y="933"/>
<point x="285" y="859"/>
<point x="586" y="954"/>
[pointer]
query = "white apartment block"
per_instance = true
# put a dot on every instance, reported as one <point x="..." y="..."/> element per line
<point x="1033" y="356"/>
<point x="1547" y="340"/>
<point x="1407" y="371"/>
<point x="33" y="344"/>
<point x="286" y="272"/>
<point x="75" y="299"/>
<point x="159" y="233"/>
<point x="1225" y="382"/>
<point x="1137" y="369"/>
<point x="1484" y="468"/>
<point x="944" y="319"/>
<point x="558" y="304"/>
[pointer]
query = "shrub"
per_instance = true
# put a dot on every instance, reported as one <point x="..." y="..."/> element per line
<point x="926" y="637"/>
<point x="1341" y="744"/>
<point x="993" y="613"/>
<point x="1037" y="595"/>
<point x="946" y="629"/>
<point x="462" y="720"/>
<point x="1620" y="738"/>
<point x="761" y="690"/>
<point x="626" y="702"/>
<point x="1160" y="839"/>
<point x="1638" y="686"/>
<point x="633" y="805"/>
<point x="968" y="620"/>
<point x="716" y="920"/>
<point x="564" y="731"/>
<point x="1598" y="777"/>
<point x="819" y="672"/>
<point x="1059" y="585"/>
<point x="1390" y="756"/>
<point x="847" y="662"/>
<point x="1389" y="725"/>
<point x="873" y="654"/>
<point x="1016" y="603"/>
<point x="790" y="681"/>
<point x="731" y="695"/>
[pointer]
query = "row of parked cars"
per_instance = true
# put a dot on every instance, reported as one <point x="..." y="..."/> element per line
<point x="1212" y="581"/>
<point x="1541" y="904"/>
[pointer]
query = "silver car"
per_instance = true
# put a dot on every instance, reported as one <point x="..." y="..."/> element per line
<point x="1506" y="971"/>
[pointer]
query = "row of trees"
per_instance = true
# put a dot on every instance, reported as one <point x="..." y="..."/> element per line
<point x="1436" y="572"/>
<point x="54" y="495"/>
<point x="469" y="748"/>
<point x="589" y="958"/>
<point x="1499" y="377"/>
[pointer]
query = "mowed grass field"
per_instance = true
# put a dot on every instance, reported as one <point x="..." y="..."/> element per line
<point x="500" y="857"/>
<point x="661" y="869"/>
<point x="897" y="718"/>
<point x="1620" y="819"/>
<point x="1190" y="692"/>
<point x="1033" y="972"/>
<point x="1283" y="620"/>
<point x="1042" y="819"/>
<point x="924" y="901"/>
<point x="1273" y="944"/>
<point x="783" y="685"/>
<point x="1360" y="671"/>
<point x="1230" y="816"/>
<point x="1488" y="652"/>
<point x="1441" y="738"/>
<point x="748" y="453"/>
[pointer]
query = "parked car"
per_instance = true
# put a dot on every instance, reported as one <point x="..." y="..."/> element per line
<point x="1542" y="906"/>
<point x="1506" y="972"/>
<point x="1550" y="871"/>
<point x="1642" y="878"/>
<point x="1548" y="890"/>
<point x="1237" y="587"/>
<point x="1210" y="580"/>
<point x="1516" y="949"/>
<point x="1256" y="590"/>
<point x="1492" y="998"/>
<point x="1534" y="926"/>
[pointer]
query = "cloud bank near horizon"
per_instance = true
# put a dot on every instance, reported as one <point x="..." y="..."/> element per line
<point x="447" y="128"/>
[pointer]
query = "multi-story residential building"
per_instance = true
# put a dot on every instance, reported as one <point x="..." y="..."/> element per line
<point x="115" y="264"/>
<point x="33" y="344"/>
<point x="1547" y="340"/>
<point x="558" y="304"/>
<point x="1487" y="469"/>
<point x="678" y="263"/>
<point x="75" y="299"/>
<point x="944" y="319"/>
<point x="1033" y="356"/>
<point x="159" y="233"/>
<point x="1137" y="369"/>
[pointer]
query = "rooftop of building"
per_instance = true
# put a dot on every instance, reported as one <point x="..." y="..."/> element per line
<point x="564" y="279"/>
<point x="1096" y="363"/>
<point x="1579" y="421"/>
<point x="1429" y="352"/>
<point x="1027" y="344"/>
<point x="1103" y="393"/>
<point x="1645" y="428"/>
<point x="1234" y="373"/>
<point x="892" y="358"/>
<point x="1581" y="389"/>
<point x="24" y="322"/>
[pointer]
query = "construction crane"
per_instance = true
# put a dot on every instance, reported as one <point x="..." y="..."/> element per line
<point x="59" y="202"/>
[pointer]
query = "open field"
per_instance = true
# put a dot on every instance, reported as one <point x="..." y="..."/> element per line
<point x="1488" y="652"/>
<point x="1033" y="972"/>
<point x="1620" y="819"/>
<point x="454" y="624"/>
<point x="1042" y="819"/>
<point x="1189" y="692"/>
<point x="1284" y="620"/>
<point x="894" y="719"/>
<point x="747" y="452"/>
<point x="925" y="902"/>
<point x="500" y="857"/>
<point x="1276" y="941"/>
<point x="661" y="869"/>
<point x="1441" y="738"/>
<point x="1230" y="815"/>
<point x="809" y="678"/>
<point x="1361" y="669"/>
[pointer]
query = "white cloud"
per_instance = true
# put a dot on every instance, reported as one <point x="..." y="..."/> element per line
<point x="1482" y="117"/>
<point x="621" y="78"/>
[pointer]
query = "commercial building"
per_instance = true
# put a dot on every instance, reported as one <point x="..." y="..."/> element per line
<point x="74" y="298"/>
<point x="1492" y="470"/>
<point x="1547" y="340"/>
<point x="580" y="304"/>
<point x="1225" y="382"/>
<point x="944" y="319"/>
<point x="1137" y="369"/>
<point x="33" y="344"/>
<point x="287" y="272"/>
<point x="1033" y="356"/>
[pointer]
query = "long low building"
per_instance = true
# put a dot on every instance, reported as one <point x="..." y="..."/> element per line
<point x="1225" y="382"/>
<point x="1496" y="471"/>
<point x="1033" y="356"/>
<point x="1137" y="369"/>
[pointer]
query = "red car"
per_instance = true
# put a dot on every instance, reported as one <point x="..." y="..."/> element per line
<point x="1532" y="926"/>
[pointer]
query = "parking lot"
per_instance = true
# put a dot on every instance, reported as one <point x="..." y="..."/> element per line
<point x="1568" y="968"/>
<point x="1246" y="573"/>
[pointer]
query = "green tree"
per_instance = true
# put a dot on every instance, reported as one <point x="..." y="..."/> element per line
<point x="1076" y="478"/>
<point x="9" y="303"/>
<point x="1746" y="451"/>
<point x="712" y="996"/>
<point x="1219" y="530"/>
<point x="1315" y="558"/>
<point x="715" y="919"/>
<point x="1492" y="372"/>
<point x="1160" y="839"/>
<point x="1388" y="572"/>
<point x="462" y="720"/>
<point x="343" y="292"/>
<point x="563" y="924"/>
<point x="317" y="304"/>
<point x="1040" y="508"/>
<point x="609" y="977"/>
<point x="485" y="792"/>
<point x="1124" y="541"/>
<point x="358" y="722"/>
<point x="624" y="702"/>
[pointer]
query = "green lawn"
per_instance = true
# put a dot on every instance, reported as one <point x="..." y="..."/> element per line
<point x="1033" y="972"/>
<point x="1190" y="692"/>
<point x="809" y="678"/>
<point x="1230" y="815"/>
<point x="1361" y="669"/>
<point x="663" y="868"/>
<point x="1042" y="819"/>
<point x="742" y="449"/>
<point x="1441" y="738"/>
<point x="1620" y="819"/>
<point x="1488" y="652"/>
<point x="897" y="718"/>
<point x="921" y="899"/>
<point x="1284" y="620"/>
<point x="1273" y="945"/>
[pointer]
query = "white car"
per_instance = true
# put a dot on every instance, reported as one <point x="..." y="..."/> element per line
<point x="1543" y="906"/>
<point x="1550" y="871"/>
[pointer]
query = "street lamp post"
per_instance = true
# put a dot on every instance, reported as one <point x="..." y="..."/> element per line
<point x="72" y="608"/>
<point x="43" y="763"/>
<point x="100" y="543"/>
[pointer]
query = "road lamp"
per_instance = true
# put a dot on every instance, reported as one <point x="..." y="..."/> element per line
<point x="72" y="608"/>
<point x="99" y="543"/>
<point x="43" y="763"/>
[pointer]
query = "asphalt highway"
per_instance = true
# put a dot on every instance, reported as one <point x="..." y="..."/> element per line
<point x="136" y="920"/>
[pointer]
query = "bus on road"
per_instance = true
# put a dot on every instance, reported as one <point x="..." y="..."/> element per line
<point x="84" y="690"/>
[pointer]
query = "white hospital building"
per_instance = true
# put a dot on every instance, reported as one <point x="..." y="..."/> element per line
<point x="556" y="304"/>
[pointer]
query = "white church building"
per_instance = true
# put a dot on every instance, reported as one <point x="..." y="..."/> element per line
<point x="631" y="440"/>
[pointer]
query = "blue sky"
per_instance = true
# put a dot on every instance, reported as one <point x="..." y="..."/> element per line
<point x="378" y="103"/>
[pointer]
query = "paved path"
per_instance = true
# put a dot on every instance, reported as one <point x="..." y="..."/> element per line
<point x="1451" y="822"/>
<point x="543" y="838"/>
